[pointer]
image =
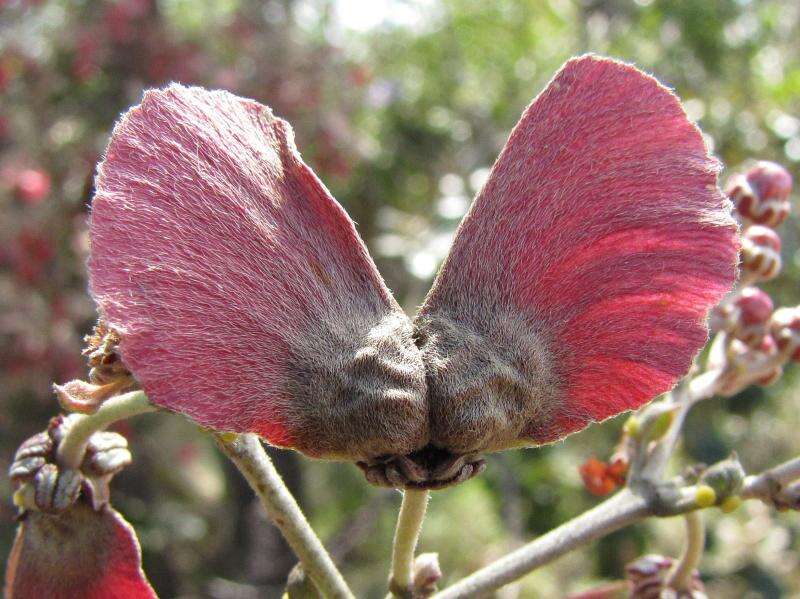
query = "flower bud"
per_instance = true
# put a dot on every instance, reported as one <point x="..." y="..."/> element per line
<point x="426" y="574"/>
<point x="648" y="579"/>
<point x="731" y="504"/>
<point x="724" y="477"/>
<point x="770" y="181"/>
<point x="632" y="427"/>
<point x="748" y="315"/>
<point x="760" y="253"/>
<point x="744" y="365"/>
<point x="601" y="478"/>
<point x="44" y="485"/>
<point x="761" y="195"/>
<point x="785" y="329"/>
<point x="705" y="496"/>
<point x="103" y="356"/>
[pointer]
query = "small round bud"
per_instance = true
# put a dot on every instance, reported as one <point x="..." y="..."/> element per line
<point x="228" y="437"/>
<point x="426" y="574"/>
<point x="705" y="496"/>
<point x="755" y="305"/>
<point x="785" y="329"/>
<point x="749" y="316"/>
<point x="23" y="497"/>
<point x="770" y="180"/>
<point x="730" y="504"/>
<point x="761" y="253"/>
<point x="632" y="427"/>
<point x="725" y="478"/>
<point x="106" y="454"/>
<point x="761" y="195"/>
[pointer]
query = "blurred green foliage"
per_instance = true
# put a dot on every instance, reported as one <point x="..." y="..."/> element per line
<point x="400" y="106"/>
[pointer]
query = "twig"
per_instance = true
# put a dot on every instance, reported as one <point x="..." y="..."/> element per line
<point x="81" y="427"/>
<point x="763" y="486"/>
<point x="619" y="511"/>
<point x="406" y="535"/>
<point x="246" y="452"/>
<point x="680" y="578"/>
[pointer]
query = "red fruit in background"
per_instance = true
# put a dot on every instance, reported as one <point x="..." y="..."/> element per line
<point x="86" y="62"/>
<point x="121" y="18"/>
<point x="29" y="256"/>
<point x="32" y="185"/>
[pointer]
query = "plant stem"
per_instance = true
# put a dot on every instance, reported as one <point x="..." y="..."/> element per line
<point x="762" y="486"/>
<point x="622" y="509"/>
<point x="246" y="452"/>
<point x="73" y="446"/>
<point x="700" y="387"/>
<point x="680" y="578"/>
<point x="406" y="535"/>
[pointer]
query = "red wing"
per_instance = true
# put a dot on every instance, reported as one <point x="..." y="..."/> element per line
<point x="243" y="294"/>
<point x="586" y="265"/>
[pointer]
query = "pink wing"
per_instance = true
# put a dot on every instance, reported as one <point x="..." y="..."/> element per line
<point x="243" y="294"/>
<point x="585" y="268"/>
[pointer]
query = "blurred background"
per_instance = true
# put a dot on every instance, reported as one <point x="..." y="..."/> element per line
<point x="400" y="106"/>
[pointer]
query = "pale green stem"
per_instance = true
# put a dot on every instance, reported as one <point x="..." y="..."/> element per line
<point x="246" y="452"/>
<point x="73" y="446"/>
<point x="406" y="535"/>
<point x="762" y="486"/>
<point x="622" y="509"/>
<point x="680" y="578"/>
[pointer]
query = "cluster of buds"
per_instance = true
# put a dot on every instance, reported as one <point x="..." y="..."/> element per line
<point x="108" y="376"/>
<point x="71" y="542"/>
<point x="603" y="478"/>
<point x="43" y="484"/>
<point x="754" y="342"/>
